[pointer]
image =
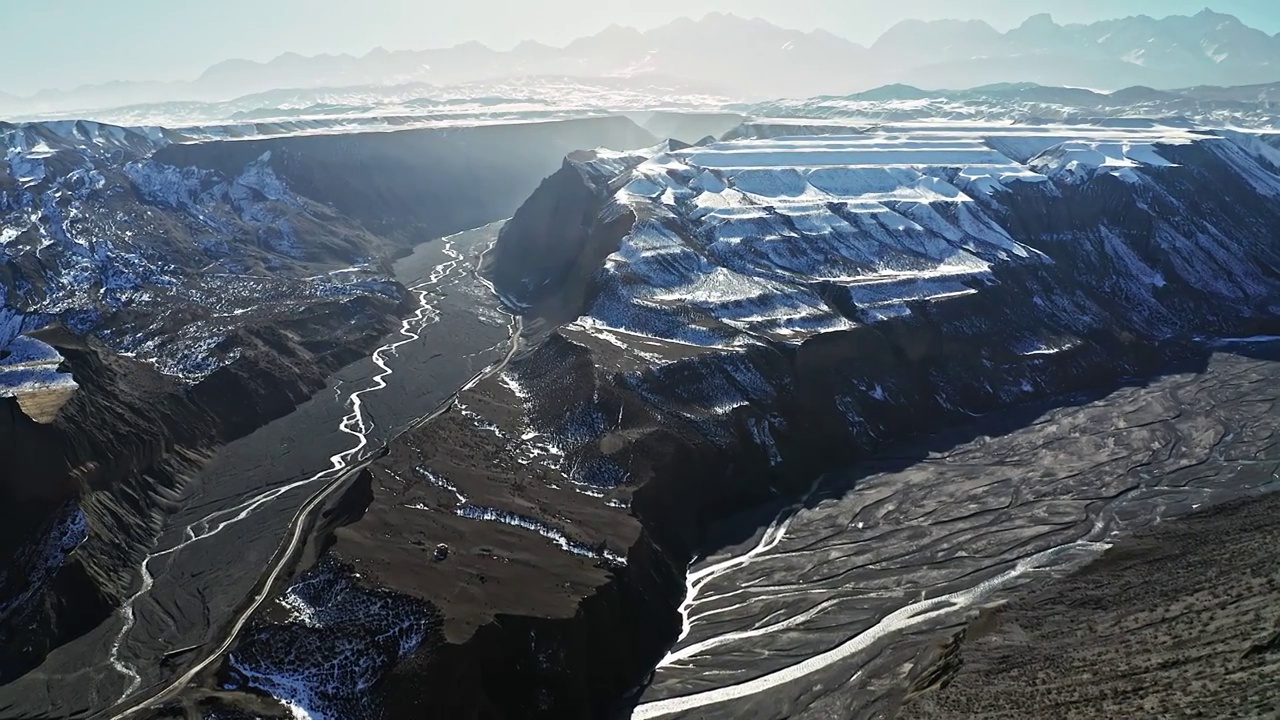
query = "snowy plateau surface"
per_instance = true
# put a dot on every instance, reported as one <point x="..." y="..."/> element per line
<point x="1028" y="103"/>
<point x="387" y="107"/>
<point x="29" y="372"/>
<point x="368" y="108"/>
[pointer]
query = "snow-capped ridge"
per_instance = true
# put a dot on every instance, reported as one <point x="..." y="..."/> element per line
<point x="48" y="136"/>
<point x="783" y="237"/>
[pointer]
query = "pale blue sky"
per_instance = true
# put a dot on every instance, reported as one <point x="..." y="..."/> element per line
<point x="65" y="43"/>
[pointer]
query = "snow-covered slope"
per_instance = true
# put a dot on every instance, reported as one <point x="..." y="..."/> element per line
<point x="995" y="261"/>
<point x="779" y="239"/>
<point x="171" y="249"/>
<point x="238" y="275"/>
<point x="919" y="267"/>
<point x="160" y="261"/>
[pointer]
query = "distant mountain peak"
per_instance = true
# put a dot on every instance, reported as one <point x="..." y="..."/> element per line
<point x="728" y="18"/>
<point x="908" y="35"/>
<point x="729" y="55"/>
<point x="532" y="45"/>
<point x="1039" y="20"/>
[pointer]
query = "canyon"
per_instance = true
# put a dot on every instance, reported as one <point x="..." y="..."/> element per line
<point x="750" y="427"/>
<point x="166" y="425"/>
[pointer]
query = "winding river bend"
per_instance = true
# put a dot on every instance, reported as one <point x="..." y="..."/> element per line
<point x="354" y="423"/>
<point x="245" y="508"/>
<point x="820" y="613"/>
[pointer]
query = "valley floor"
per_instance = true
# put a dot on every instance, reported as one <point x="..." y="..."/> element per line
<point x="854" y="595"/>
<point x="1181" y="621"/>
<point x="215" y="546"/>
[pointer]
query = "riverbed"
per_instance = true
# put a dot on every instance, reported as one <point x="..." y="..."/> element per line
<point x="820" y="613"/>
<point x="235" y="514"/>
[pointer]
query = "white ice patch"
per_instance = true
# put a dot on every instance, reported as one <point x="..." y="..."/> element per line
<point x="28" y="365"/>
<point x="511" y="383"/>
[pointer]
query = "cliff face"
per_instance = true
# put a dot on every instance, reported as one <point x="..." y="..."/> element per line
<point x="548" y="255"/>
<point x="198" y="292"/>
<point x="742" y="328"/>
<point x="417" y="184"/>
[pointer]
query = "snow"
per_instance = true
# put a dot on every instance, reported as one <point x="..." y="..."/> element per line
<point x="342" y="639"/>
<point x="28" y="365"/>
<point x="41" y="558"/>
<point x="794" y="230"/>
<point x="738" y="232"/>
<point x="466" y="509"/>
<point x="1251" y="340"/>
<point x="555" y="535"/>
<point x="1077" y="160"/>
<point x="512" y="383"/>
<point x="92" y="248"/>
<point x="386" y="108"/>
<point x="1135" y="57"/>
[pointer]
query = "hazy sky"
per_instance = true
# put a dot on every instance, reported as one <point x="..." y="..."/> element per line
<point x="65" y="43"/>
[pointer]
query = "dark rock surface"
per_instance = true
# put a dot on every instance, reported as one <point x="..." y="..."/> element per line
<point x="121" y="452"/>
<point x="231" y="510"/>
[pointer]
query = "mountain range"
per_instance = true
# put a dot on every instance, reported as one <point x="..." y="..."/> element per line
<point x="752" y="59"/>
